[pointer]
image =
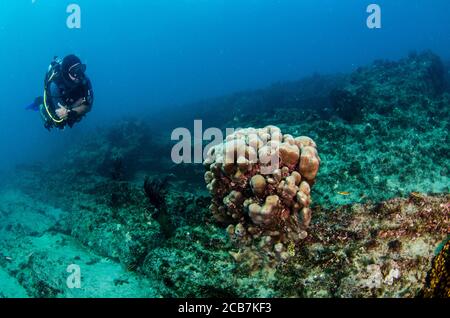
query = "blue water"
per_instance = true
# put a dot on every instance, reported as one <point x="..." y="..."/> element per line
<point x="151" y="57"/>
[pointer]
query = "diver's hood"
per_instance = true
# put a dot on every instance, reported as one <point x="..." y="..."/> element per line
<point x="73" y="71"/>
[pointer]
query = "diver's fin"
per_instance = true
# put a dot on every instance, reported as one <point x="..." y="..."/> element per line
<point x="34" y="106"/>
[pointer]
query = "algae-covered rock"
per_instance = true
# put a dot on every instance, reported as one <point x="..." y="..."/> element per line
<point x="115" y="223"/>
<point x="117" y="151"/>
<point x="197" y="262"/>
<point x="385" y="85"/>
<point x="371" y="250"/>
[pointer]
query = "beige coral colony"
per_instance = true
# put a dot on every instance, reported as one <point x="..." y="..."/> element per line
<point x="260" y="181"/>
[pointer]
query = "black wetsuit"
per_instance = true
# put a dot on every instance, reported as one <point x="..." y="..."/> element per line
<point x="64" y="92"/>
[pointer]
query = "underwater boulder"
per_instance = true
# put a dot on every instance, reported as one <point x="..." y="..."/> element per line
<point x="386" y="85"/>
<point x="114" y="152"/>
<point x="346" y="104"/>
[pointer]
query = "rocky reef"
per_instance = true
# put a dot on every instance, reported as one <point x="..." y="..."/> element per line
<point x="370" y="220"/>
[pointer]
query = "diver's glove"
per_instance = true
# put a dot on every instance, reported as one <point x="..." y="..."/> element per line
<point x="72" y="118"/>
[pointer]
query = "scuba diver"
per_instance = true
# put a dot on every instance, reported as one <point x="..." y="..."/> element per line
<point x="68" y="94"/>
